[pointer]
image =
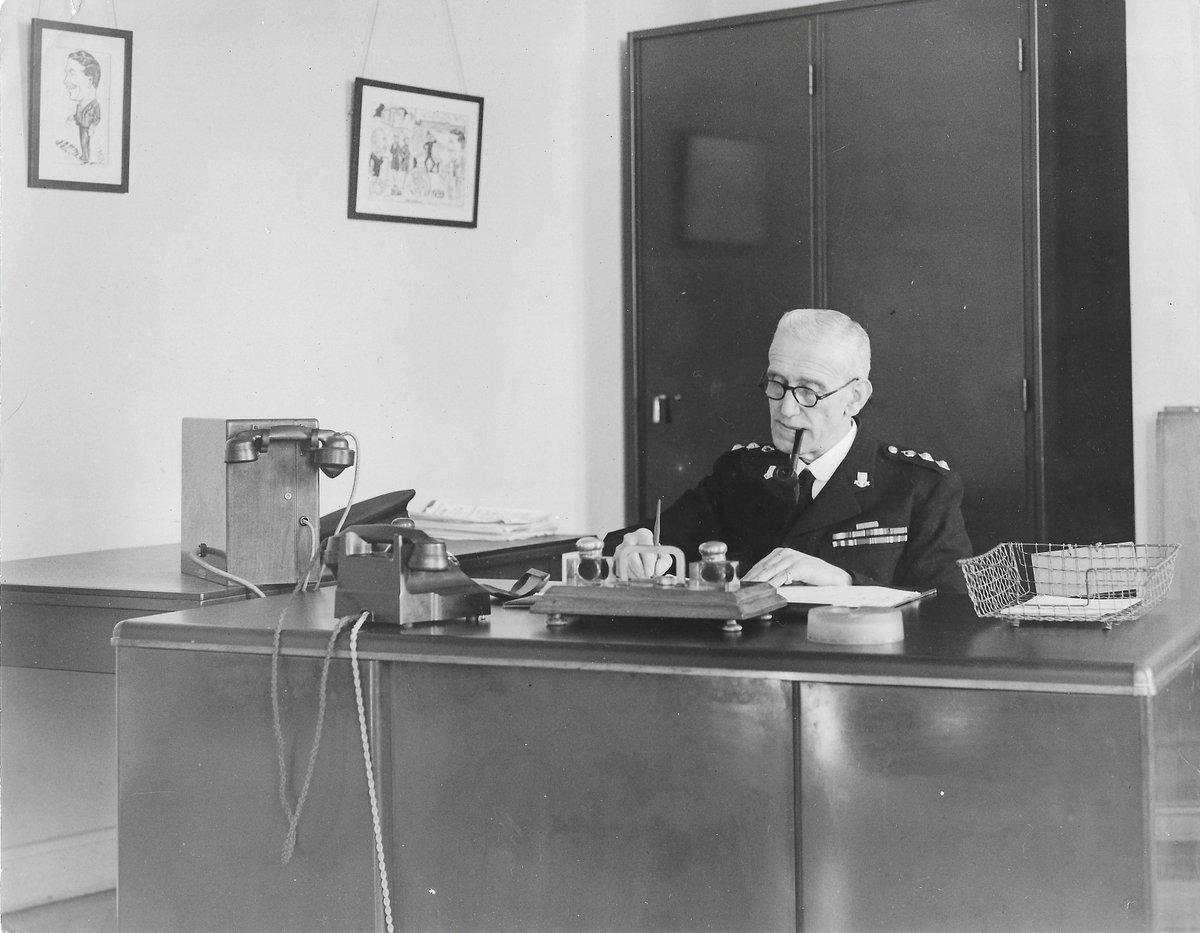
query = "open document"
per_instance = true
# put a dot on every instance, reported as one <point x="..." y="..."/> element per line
<point x="855" y="596"/>
<point x="452" y="521"/>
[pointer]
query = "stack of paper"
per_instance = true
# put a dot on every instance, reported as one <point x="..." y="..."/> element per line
<point x="451" y="521"/>
<point x="853" y="596"/>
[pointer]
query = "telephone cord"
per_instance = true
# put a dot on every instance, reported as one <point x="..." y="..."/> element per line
<point x="353" y="485"/>
<point x="293" y="816"/>
<point x="196" y="559"/>
<point x="366" y="746"/>
<point x="289" y="842"/>
<point x="313" y="540"/>
<point x="341" y="521"/>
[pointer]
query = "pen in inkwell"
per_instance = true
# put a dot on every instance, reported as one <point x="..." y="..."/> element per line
<point x="657" y="522"/>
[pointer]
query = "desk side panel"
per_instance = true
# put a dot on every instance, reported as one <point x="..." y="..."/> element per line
<point x="969" y="809"/>
<point x="200" y="822"/>
<point x="1176" y="813"/>
<point x="591" y="800"/>
<point x="64" y="638"/>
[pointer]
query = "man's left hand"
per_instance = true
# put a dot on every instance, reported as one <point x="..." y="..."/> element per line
<point x="784" y="566"/>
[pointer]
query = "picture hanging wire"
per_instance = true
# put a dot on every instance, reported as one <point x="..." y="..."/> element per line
<point x="462" y="80"/>
<point x="77" y="6"/>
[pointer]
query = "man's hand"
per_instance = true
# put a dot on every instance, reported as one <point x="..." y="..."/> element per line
<point x="644" y="566"/>
<point x="784" y="566"/>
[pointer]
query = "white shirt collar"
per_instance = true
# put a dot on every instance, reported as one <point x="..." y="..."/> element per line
<point x="824" y="466"/>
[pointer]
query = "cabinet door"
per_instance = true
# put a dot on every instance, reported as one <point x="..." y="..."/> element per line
<point x="722" y="236"/>
<point x="921" y="212"/>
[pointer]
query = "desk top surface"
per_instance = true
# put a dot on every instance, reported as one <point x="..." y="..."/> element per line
<point x="945" y="644"/>
<point x="152" y="572"/>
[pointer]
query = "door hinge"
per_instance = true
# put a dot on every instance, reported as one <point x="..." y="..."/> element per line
<point x="812" y="81"/>
<point x="1020" y="53"/>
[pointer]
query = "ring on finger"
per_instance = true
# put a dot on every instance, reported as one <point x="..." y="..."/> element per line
<point x="787" y="578"/>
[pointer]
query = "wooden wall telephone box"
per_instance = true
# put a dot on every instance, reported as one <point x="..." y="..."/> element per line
<point x="248" y="514"/>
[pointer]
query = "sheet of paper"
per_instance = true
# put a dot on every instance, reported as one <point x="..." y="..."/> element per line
<point x="847" y="595"/>
<point x="1069" y="607"/>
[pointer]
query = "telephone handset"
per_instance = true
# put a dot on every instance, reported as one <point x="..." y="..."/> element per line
<point x="328" y="450"/>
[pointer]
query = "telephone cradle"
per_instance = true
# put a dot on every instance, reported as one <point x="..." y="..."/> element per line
<point x="402" y="576"/>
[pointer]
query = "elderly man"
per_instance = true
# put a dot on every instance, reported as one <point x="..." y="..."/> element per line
<point x="826" y="503"/>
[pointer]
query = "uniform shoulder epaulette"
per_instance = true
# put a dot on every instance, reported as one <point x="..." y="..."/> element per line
<point x="915" y="456"/>
<point x="765" y="448"/>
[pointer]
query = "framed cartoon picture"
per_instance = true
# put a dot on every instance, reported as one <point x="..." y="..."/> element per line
<point x="79" y="107"/>
<point x="414" y="155"/>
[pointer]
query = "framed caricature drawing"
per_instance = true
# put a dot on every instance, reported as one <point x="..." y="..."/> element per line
<point x="414" y="155"/>
<point x="79" y="107"/>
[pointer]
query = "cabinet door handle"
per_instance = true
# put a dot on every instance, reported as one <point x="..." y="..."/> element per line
<point x="660" y="410"/>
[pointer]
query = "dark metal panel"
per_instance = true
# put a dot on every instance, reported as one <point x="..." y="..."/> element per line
<point x="556" y="800"/>
<point x="61" y="638"/>
<point x="921" y="230"/>
<point x="200" y="823"/>
<point x="1175" y="715"/>
<point x="961" y="810"/>
<point x="722" y="239"/>
<point x="1086" y="393"/>
<point x="1044" y="426"/>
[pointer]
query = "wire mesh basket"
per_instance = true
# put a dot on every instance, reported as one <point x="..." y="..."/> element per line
<point x="1105" y="583"/>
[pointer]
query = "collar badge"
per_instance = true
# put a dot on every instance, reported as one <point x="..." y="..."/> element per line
<point x="862" y="482"/>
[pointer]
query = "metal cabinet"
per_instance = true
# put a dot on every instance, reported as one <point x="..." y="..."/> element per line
<point x="950" y="173"/>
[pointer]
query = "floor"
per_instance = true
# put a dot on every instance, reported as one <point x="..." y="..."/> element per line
<point x="95" y="913"/>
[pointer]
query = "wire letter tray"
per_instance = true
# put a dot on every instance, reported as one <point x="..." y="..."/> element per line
<point x="1105" y="583"/>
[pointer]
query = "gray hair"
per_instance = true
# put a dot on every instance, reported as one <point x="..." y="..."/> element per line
<point x="813" y="325"/>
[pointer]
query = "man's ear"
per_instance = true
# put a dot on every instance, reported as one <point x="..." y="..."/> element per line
<point x="859" y="393"/>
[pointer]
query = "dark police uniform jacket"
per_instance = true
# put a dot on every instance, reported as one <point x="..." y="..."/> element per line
<point x="889" y="515"/>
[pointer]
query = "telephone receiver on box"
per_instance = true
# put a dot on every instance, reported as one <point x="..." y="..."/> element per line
<point x="328" y="450"/>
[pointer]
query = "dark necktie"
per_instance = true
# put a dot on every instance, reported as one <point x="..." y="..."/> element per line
<point x="804" y="485"/>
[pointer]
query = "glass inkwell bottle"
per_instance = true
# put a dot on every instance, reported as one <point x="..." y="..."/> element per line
<point x="591" y="567"/>
<point x="714" y="571"/>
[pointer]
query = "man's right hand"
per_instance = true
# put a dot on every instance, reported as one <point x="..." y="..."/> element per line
<point x="645" y="566"/>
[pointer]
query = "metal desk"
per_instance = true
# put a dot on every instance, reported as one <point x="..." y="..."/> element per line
<point x="58" y="613"/>
<point x="634" y="774"/>
<point x="58" y="747"/>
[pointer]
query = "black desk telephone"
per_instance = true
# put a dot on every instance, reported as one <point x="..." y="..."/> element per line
<point x="401" y="575"/>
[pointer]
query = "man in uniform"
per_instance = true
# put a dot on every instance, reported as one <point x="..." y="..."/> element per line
<point x="826" y="503"/>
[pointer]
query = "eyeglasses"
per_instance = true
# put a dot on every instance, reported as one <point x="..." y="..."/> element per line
<point x="804" y="396"/>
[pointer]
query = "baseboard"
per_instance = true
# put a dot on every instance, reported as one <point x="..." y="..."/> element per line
<point x="57" y="869"/>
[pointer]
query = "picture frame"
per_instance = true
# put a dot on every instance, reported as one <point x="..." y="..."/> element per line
<point x="79" y="106"/>
<point x="414" y="155"/>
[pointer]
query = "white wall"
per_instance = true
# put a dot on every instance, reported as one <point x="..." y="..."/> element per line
<point x="1163" y="48"/>
<point x="229" y="283"/>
